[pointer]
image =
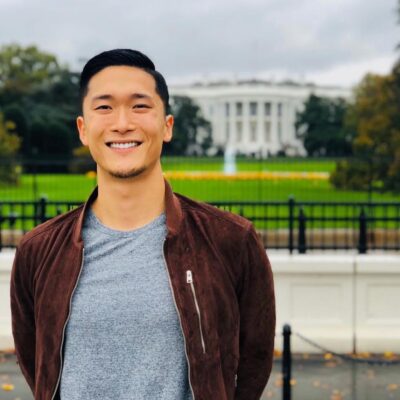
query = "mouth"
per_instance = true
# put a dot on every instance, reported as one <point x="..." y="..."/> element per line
<point x="124" y="144"/>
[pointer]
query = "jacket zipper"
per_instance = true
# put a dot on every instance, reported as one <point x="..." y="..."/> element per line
<point x="65" y="324"/>
<point x="189" y="279"/>
<point x="179" y="316"/>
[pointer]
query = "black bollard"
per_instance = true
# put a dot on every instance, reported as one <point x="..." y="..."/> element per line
<point x="286" y="363"/>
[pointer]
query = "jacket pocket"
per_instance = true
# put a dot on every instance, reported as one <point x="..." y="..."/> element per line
<point x="189" y="280"/>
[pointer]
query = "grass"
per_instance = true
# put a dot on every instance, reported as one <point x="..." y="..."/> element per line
<point x="77" y="187"/>
<point x="73" y="187"/>
<point x="272" y="164"/>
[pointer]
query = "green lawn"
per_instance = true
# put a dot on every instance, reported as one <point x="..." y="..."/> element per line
<point x="77" y="187"/>
<point x="301" y="190"/>
<point x="59" y="187"/>
<point x="271" y="164"/>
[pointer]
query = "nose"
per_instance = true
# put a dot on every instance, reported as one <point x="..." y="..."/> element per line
<point x="123" y="122"/>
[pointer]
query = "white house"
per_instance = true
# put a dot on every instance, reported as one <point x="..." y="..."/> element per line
<point x="255" y="117"/>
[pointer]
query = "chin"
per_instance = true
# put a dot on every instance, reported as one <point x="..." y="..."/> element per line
<point x="127" y="174"/>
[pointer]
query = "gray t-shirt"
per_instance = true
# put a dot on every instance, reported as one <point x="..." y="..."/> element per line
<point x="123" y="339"/>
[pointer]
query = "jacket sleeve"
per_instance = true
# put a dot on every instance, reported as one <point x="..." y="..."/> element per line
<point x="23" y="318"/>
<point x="257" y="320"/>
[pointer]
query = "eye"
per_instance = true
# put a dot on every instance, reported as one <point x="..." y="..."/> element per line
<point x="103" y="107"/>
<point x="142" y="105"/>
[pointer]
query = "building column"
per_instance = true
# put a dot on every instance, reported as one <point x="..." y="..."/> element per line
<point x="260" y="127"/>
<point x="245" y="126"/>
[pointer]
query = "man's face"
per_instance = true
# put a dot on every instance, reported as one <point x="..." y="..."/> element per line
<point x="124" y="122"/>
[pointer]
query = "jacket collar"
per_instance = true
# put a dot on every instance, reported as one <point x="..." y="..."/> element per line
<point x="173" y="212"/>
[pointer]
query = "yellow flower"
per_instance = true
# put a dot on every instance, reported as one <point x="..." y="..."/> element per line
<point x="245" y="175"/>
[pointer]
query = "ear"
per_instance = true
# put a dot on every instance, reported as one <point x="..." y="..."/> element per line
<point x="169" y="124"/>
<point x="80" y="123"/>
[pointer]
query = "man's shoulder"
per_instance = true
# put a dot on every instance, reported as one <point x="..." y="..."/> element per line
<point x="41" y="233"/>
<point x="213" y="215"/>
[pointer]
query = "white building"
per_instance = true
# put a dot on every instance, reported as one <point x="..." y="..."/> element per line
<point x="255" y="117"/>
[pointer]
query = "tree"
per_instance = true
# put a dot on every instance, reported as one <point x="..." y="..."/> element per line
<point x="192" y="132"/>
<point x="14" y="113"/>
<point x="41" y="98"/>
<point x="376" y="147"/>
<point x="321" y="125"/>
<point x="9" y="144"/>
<point x="23" y="70"/>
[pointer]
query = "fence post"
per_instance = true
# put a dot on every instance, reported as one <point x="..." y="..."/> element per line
<point x="291" y="223"/>
<point x="12" y="220"/>
<point x="286" y="363"/>
<point x="42" y="209"/>
<point x="302" y="245"/>
<point x="362" y="235"/>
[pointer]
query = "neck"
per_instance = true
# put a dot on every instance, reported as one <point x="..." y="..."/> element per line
<point x="127" y="204"/>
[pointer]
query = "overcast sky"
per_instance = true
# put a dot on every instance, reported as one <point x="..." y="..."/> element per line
<point x="324" y="41"/>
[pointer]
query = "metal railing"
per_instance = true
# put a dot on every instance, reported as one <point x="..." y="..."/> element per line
<point x="290" y="225"/>
<point x="303" y="226"/>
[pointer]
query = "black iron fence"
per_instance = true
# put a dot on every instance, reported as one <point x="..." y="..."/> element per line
<point x="303" y="226"/>
<point x="291" y="225"/>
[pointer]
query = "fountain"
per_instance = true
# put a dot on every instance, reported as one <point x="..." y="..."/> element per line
<point x="230" y="160"/>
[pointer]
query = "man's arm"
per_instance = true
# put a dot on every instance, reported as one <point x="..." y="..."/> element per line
<point x="257" y="320"/>
<point x="23" y="317"/>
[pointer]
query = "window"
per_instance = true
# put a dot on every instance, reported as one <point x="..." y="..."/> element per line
<point x="279" y="129"/>
<point x="279" y="109"/>
<point x="267" y="109"/>
<point x="253" y="108"/>
<point x="239" y="109"/>
<point x="267" y="131"/>
<point x="238" y="131"/>
<point x="226" y="109"/>
<point x="253" y="131"/>
<point x="227" y="131"/>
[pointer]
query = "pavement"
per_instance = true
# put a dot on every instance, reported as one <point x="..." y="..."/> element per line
<point x="313" y="378"/>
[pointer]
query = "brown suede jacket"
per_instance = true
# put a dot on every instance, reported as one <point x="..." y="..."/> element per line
<point x="220" y="278"/>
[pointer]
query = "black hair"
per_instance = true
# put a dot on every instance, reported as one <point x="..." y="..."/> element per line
<point x="128" y="57"/>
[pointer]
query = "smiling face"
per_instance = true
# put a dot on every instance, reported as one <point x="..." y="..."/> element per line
<point x="124" y="122"/>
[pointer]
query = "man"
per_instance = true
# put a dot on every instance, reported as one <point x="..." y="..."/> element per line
<point x="140" y="293"/>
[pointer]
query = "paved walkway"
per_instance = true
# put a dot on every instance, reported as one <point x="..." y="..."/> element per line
<point x="316" y="379"/>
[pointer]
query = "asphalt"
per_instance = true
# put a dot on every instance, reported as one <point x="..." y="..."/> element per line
<point x="313" y="378"/>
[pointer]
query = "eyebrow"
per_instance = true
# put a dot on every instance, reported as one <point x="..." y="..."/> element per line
<point x="133" y="96"/>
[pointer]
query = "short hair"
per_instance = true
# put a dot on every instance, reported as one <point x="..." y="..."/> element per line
<point x="123" y="57"/>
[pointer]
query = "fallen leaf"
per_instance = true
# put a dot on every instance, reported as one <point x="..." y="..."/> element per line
<point x="336" y="395"/>
<point x="392" y="386"/>
<point x="7" y="387"/>
<point x="388" y="354"/>
<point x="277" y="353"/>
<point x="331" y="364"/>
<point x="370" y="374"/>
<point x="279" y="382"/>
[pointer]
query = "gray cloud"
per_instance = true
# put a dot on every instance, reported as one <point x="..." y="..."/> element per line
<point x="187" y="38"/>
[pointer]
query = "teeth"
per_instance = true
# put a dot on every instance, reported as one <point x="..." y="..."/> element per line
<point x="124" y="145"/>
